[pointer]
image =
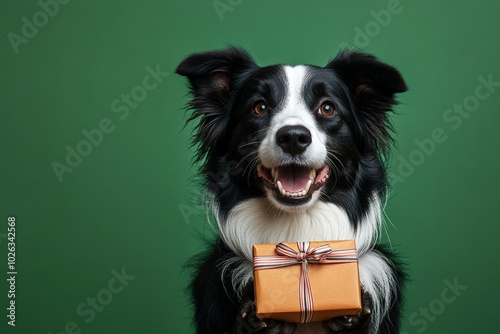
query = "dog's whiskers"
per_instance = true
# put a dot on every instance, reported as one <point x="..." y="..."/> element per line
<point x="251" y="166"/>
<point x="244" y="157"/>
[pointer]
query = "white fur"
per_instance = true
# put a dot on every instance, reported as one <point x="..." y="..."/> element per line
<point x="258" y="221"/>
<point x="377" y="279"/>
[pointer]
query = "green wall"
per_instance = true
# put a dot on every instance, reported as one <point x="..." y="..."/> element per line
<point x="125" y="205"/>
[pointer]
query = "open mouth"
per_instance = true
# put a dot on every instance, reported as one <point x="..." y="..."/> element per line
<point x="293" y="184"/>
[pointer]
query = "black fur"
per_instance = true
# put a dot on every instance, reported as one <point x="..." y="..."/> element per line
<point x="225" y="85"/>
<point x="216" y="305"/>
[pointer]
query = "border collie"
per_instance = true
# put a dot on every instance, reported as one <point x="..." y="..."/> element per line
<point x="292" y="153"/>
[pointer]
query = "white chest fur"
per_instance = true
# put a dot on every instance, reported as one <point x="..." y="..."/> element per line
<point x="257" y="221"/>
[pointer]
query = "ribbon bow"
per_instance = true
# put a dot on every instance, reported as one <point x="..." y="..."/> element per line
<point x="288" y="256"/>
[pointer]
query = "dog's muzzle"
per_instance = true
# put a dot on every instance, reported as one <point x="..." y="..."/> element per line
<point x="293" y="183"/>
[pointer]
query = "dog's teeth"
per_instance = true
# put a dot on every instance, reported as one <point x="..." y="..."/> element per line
<point x="312" y="174"/>
<point x="280" y="186"/>
<point x="282" y="191"/>
<point x="274" y="173"/>
<point x="308" y="186"/>
<point x="285" y="193"/>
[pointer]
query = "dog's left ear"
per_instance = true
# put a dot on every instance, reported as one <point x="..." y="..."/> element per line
<point x="372" y="86"/>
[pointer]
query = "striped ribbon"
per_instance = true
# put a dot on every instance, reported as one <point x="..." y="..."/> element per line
<point x="288" y="256"/>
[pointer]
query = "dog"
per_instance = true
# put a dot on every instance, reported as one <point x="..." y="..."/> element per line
<point x="292" y="153"/>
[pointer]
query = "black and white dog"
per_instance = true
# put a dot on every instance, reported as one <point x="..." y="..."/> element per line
<point x="292" y="153"/>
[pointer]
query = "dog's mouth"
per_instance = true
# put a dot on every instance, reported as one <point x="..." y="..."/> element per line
<point x="293" y="184"/>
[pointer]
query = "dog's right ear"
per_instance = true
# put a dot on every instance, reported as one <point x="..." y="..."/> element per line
<point x="212" y="76"/>
<point x="214" y="71"/>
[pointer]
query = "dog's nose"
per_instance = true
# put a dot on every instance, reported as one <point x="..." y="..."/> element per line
<point x="293" y="139"/>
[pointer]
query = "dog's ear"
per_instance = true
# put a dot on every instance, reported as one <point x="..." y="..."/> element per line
<point x="372" y="86"/>
<point x="212" y="77"/>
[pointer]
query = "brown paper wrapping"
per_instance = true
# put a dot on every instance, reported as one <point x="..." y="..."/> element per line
<point x="335" y="287"/>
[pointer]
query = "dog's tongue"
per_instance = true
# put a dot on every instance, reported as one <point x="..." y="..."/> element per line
<point x="293" y="178"/>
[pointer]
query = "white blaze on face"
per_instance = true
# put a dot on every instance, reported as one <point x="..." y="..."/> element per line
<point x="293" y="112"/>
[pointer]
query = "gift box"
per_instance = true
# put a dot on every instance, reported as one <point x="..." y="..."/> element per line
<point x="306" y="281"/>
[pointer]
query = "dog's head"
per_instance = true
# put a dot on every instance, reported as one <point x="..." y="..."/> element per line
<point x="291" y="134"/>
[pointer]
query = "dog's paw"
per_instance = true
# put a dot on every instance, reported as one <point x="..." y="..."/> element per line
<point x="248" y="316"/>
<point x="351" y="323"/>
<point x="247" y="323"/>
<point x="347" y="324"/>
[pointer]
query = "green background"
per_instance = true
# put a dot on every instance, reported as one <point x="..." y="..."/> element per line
<point x="121" y="206"/>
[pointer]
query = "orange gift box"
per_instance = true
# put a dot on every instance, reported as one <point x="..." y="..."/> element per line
<point x="316" y="283"/>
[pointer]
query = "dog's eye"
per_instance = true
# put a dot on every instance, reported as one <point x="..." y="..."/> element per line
<point x="326" y="109"/>
<point x="260" y="108"/>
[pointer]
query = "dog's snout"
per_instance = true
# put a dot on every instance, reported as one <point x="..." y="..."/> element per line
<point x="293" y="139"/>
